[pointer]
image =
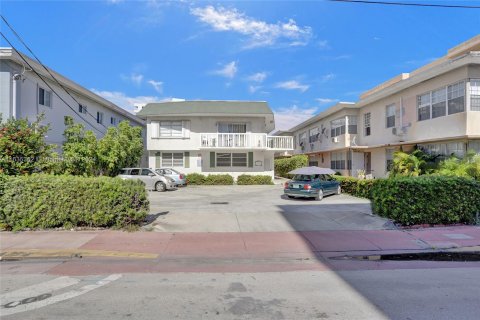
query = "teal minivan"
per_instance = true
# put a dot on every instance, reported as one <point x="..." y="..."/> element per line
<point x="311" y="186"/>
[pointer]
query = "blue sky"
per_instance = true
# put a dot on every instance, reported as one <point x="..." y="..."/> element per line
<point x="301" y="57"/>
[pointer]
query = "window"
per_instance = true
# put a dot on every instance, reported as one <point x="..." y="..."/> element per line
<point x="231" y="159"/>
<point x="436" y="149"/>
<point x="170" y="159"/>
<point x="423" y="106"/>
<point x="337" y="160"/>
<point x="146" y="172"/>
<point x="456" y="97"/>
<point x="239" y="159"/>
<point x="456" y="148"/>
<point x="171" y="129"/>
<point x="366" y="120"/>
<point x="475" y="95"/>
<point x="100" y="117"/>
<point x="232" y="128"/>
<point x="389" y="159"/>
<point x="113" y="121"/>
<point x="390" y="115"/>
<point x="352" y="124"/>
<point x="337" y="127"/>
<point x="224" y="159"/>
<point x="135" y="172"/>
<point x="439" y="103"/>
<point x="302" y="139"/>
<point x="44" y="97"/>
<point x="313" y="163"/>
<point x="474" y="145"/>
<point x="82" y="108"/>
<point x="313" y="135"/>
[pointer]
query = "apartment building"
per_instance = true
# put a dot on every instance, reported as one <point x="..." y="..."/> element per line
<point x="212" y="137"/>
<point x="24" y="94"/>
<point x="435" y="108"/>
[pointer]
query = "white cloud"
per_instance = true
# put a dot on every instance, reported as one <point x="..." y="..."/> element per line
<point x="257" y="77"/>
<point x="328" y="77"/>
<point x="124" y="101"/>
<point x="288" y="118"/>
<point x="228" y="71"/>
<point x="259" y="33"/>
<point x="253" y="89"/>
<point x="326" y="100"/>
<point x="292" y="85"/>
<point x="323" y="45"/>
<point x="157" y="85"/>
<point x="134" y="78"/>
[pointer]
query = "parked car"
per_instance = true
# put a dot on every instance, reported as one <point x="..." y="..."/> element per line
<point x="180" y="178"/>
<point x="312" y="186"/>
<point x="152" y="180"/>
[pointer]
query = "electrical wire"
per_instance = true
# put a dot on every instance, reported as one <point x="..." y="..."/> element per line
<point x="47" y="84"/>
<point x="46" y="69"/>
<point x="456" y="6"/>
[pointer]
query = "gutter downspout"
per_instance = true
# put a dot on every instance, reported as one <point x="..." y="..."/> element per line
<point x="14" y="98"/>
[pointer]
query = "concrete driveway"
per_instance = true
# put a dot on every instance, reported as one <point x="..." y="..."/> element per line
<point x="256" y="209"/>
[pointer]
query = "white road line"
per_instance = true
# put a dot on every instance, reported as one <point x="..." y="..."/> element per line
<point x="41" y="288"/>
<point x="4" y="311"/>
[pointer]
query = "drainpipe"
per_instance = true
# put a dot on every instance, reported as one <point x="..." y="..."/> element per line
<point x="14" y="96"/>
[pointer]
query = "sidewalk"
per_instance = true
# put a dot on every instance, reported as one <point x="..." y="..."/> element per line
<point x="228" y="251"/>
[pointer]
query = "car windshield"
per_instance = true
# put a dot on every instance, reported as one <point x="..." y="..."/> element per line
<point x="302" y="177"/>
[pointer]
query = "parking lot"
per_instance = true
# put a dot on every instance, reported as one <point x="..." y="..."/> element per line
<point x="256" y="209"/>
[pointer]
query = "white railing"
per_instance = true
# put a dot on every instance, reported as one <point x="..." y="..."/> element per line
<point x="245" y="140"/>
<point x="280" y="142"/>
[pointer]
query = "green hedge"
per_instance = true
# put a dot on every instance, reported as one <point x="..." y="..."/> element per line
<point x="419" y="200"/>
<point x="47" y="201"/>
<point x="246" y="179"/>
<point x="219" y="179"/>
<point x="196" y="179"/>
<point x="427" y="199"/>
<point x="285" y="165"/>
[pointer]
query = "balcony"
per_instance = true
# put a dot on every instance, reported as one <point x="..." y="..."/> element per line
<point x="259" y="141"/>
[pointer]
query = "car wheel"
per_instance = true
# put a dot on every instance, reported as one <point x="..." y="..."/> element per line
<point x="319" y="195"/>
<point x="160" y="186"/>
<point x="339" y="190"/>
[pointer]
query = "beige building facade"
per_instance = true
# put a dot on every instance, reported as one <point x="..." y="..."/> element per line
<point x="435" y="108"/>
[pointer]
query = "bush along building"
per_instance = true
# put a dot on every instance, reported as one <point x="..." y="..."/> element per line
<point x="435" y="108"/>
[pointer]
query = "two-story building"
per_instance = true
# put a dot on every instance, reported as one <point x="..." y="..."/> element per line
<point x="435" y="108"/>
<point x="27" y="89"/>
<point x="212" y="137"/>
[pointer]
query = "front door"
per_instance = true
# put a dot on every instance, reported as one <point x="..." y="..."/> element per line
<point x="367" y="158"/>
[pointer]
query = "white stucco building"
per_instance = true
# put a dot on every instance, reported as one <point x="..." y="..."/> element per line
<point x="23" y="94"/>
<point x="212" y="137"/>
<point x="435" y="108"/>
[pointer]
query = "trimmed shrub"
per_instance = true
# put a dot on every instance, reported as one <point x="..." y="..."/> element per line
<point x="46" y="201"/>
<point x="3" y="180"/>
<point x="219" y="179"/>
<point x="427" y="199"/>
<point x="357" y="187"/>
<point x="285" y="165"/>
<point x="246" y="179"/>
<point x="196" y="179"/>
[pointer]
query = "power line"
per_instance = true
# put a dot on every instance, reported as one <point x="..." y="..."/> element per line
<point x="44" y="67"/>
<point x="46" y="83"/>
<point x="456" y="6"/>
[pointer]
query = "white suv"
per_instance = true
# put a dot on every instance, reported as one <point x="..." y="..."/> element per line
<point x="152" y="179"/>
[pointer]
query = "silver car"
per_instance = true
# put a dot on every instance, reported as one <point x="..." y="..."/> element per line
<point x="180" y="178"/>
<point x="152" y="180"/>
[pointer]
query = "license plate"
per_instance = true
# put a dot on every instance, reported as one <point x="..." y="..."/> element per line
<point x="297" y="185"/>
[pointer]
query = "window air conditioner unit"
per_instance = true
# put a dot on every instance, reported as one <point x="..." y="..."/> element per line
<point x="394" y="131"/>
<point x="398" y="132"/>
<point x="335" y="139"/>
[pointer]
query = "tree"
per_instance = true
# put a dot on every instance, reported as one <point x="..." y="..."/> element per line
<point x="23" y="149"/>
<point x="84" y="154"/>
<point x="468" y="167"/>
<point x="408" y="164"/>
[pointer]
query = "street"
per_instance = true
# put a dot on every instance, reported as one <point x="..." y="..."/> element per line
<point x="256" y="255"/>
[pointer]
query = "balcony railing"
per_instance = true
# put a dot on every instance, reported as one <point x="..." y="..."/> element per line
<point x="245" y="141"/>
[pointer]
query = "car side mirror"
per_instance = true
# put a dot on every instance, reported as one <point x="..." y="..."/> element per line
<point x="151" y="174"/>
